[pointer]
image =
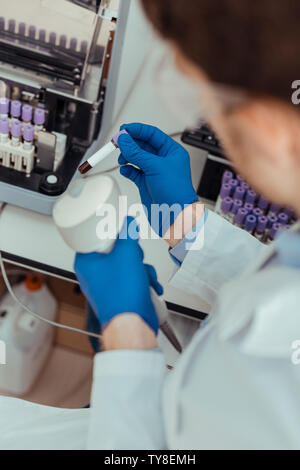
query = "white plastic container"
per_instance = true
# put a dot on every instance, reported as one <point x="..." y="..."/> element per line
<point x="28" y="340"/>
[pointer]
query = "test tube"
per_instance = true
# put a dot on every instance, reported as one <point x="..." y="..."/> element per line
<point x="28" y="136"/>
<point x="42" y="35"/>
<point x="63" y="41"/>
<point x="240" y="179"/>
<point x="39" y="118"/>
<point x="251" y="196"/>
<point x="4" y="130"/>
<point x="52" y="38"/>
<point x="226" y="208"/>
<point x="234" y="184"/>
<point x="11" y="25"/>
<point x="283" y="218"/>
<point x="15" y="109"/>
<point x="16" y="131"/>
<point x="245" y="185"/>
<point x="83" y="47"/>
<point x="240" y="217"/>
<point x="22" y="29"/>
<point x="289" y="212"/>
<point x="257" y="212"/>
<point x="239" y="193"/>
<point x="73" y="44"/>
<point x="225" y="192"/>
<point x="249" y="207"/>
<point x="237" y="204"/>
<point x="227" y="176"/>
<point x="4" y="106"/>
<point x="32" y="31"/>
<point x="26" y="113"/>
<point x="250" y="224"/>
<point x="261" y="228"/>
<point x="273" y="232"/>
<point x="272" y="219"/>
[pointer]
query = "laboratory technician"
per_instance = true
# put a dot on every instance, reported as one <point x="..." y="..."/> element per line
<point x="237" y="385"/>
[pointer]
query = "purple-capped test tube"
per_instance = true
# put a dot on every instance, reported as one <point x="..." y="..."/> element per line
<point x="227" y="176"/>
<point x="272" y="219"/>
<point x="283" y="218"/>
<point x="251" y="196"/>
<point x="250" y="223"/>
<point x="16" y="131"/>
<point x="15" y="109"/>
<point x="273" y="232"/>
<point x="239" y="193"/>
<point x="42" y="35"/>
<point x="63" y="41"/>
<point x="11" y="25"/>
<point x="22" y="29"/>
<point x="237" y="204"/>
<point x="260" y="231"/>
<point x="289" y="212"/>
<point x="240" y="217"/>
<point x="26" y="113"/>
<point x="28" y="136"/>
<point x="225" y="192"/>
<point x="226" y="208"/>
<point x="240" y="179"/>
<point x="249" y="207"/>
<point x="4" y="129"/>
<point x="39" y="118"/>
<point x="257" y="212"/>
<point x="52" y="38"/>
<point x="32" y="31"/>
<point x="234" y="184"/>
<point x="73" y="44"/>
<point x="4" y="106"/>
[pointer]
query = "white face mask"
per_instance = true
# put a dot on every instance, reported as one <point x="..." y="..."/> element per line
<point x="192" y="103"/>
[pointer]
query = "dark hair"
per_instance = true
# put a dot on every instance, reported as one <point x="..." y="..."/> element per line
<point x="250" y="44"/>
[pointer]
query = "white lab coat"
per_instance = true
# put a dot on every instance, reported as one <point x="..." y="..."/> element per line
<point x="235" y="386"/>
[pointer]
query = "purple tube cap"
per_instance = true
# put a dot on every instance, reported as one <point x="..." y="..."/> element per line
<point x="250" y="222"/>
<point x="4" y="125"/>
<point x="15" y="108"/>
<point x="283" y="218"/>
<point x="227" y="176"/>
<point x="257" y="212"/>
<point x="262" y="223"/>
<point x="239" y="193"/>
<point x="225" y="190"/>
<point x="240" y="216"/>
<point x="237" y="204"/>
<point x="28" y="132"/>
<point x="275" y="229"/>
<point x="249" y="206"/>
<point x="16" y="128"/>
<point x="4" y="105"/>
<point x="115" y="138"/>
<point x="226" y="204"/>
<point x="39" y="116"/>
<point x="272" y="219"/>
<point x="262" y="203"/>
<point x="251" y="196"/>
<point x="27" y="112"/>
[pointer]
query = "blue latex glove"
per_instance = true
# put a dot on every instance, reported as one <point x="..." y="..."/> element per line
<point x="119" y="282"/>
<point x="164" y="173"/>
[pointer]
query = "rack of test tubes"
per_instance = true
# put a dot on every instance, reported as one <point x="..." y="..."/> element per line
<point x="19" y="127"/>
<point x="241" y="205"/>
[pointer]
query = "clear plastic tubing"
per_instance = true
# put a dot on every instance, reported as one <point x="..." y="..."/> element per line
<point x="16" y="131"/>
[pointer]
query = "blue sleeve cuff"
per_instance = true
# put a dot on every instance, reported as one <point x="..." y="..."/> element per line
<point x="179" y="252"/>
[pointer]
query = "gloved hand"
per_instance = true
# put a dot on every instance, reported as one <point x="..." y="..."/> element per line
<point x="119" y="282"/>
<point x="163" y="175"/>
